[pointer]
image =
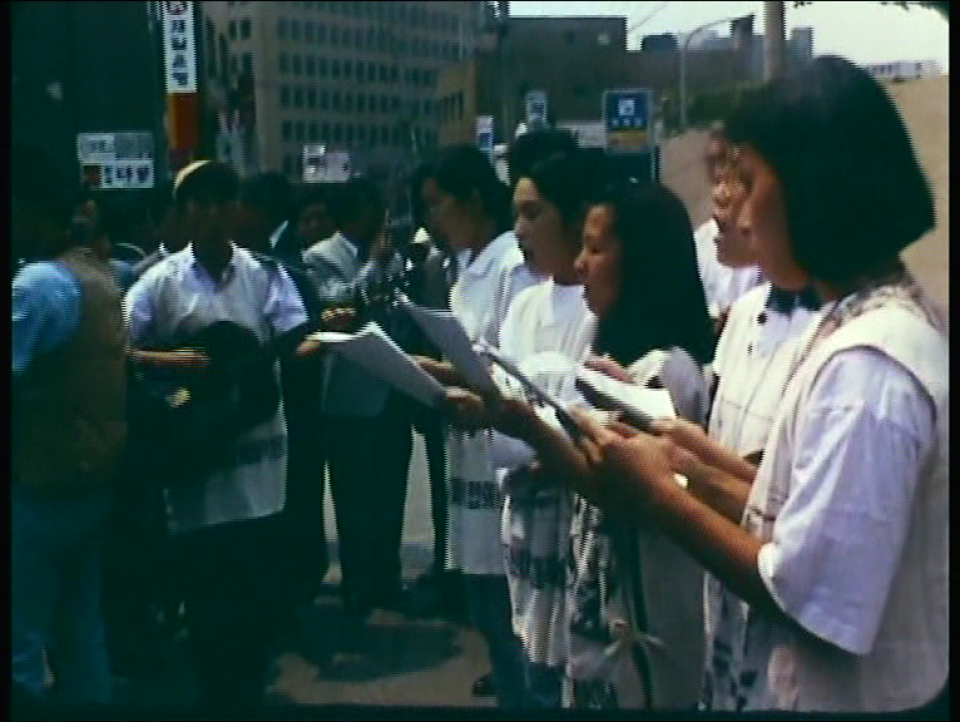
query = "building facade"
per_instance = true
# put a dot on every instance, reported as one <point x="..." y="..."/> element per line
<point x="905" y="70"/>
<point x="352" y="76"/>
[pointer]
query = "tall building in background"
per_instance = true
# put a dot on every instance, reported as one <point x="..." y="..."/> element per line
<point x="353" y="76"/>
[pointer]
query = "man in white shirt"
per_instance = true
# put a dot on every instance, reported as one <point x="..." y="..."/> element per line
<point x="224" y="523"/>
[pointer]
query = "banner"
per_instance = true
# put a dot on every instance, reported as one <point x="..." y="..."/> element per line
<point x="179" y="48"/>
<point x="116" y="161"/>
<point x="626" y="118"/>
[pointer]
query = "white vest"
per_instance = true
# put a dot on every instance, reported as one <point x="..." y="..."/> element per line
<point x="908" y="664"/>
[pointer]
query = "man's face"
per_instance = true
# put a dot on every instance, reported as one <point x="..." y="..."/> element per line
<point x="251" y="228"/>
<point x="212" y="222"/>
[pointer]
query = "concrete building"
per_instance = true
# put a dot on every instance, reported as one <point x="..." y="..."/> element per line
<point x="572" y="59"/>
<point x="354" y="76"/>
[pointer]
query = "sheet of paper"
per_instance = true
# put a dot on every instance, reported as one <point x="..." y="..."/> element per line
<point x="376" y="352"/>
<point x="653" y="403"/>
<point x="447" y="333"/>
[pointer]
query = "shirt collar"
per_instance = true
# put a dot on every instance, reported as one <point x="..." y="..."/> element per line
<point x="228" y="273"/>
<point x="275" y="236"/>
<point x="481" y="264"/>
<point x="786" y="302"/>
<point x="162" y="250"/>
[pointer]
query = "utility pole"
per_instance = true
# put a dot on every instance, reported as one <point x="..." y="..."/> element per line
<point x="774" y="37"/>
<point x="506" y="88"/>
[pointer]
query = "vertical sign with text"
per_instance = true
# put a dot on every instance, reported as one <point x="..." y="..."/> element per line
<point x="179" y="47"/>
<point x="626" y="117"/>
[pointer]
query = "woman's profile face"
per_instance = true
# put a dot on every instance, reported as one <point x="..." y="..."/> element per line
<point x="762" y="222"/>
<point x="599" y="261"/>
<point x="446" y="215"/>
<point x="539" y="231"/>
<point x="727" y="195"/>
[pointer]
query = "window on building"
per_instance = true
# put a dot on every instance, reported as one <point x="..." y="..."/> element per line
<point x="322" y="67"/>
<point x="283" y="27"/>
<point x="295" y="30"/>
<point x="348" y="102"/>
<point x="384" y="74"/>
<point x="371" y="37"/>
<point x="334" y="35"/>
<point x="358" y="37"/>
<point x="324" y="99"/>
<point x="233" y="64"/>
<point x="381" y="42"/>
<point x="308" y="32"/>
<point x="284" y="96"/>
<point x="395" y="103"/>
<point x="428" y="108"/>
<point x="312" y="133"/>
<point x="298" y="97"/>
<point x="372" y="103"/>
<point x="384" y="104"/>
<point x="286" y="131"/>
<point x="246" y="64"/>
<point x="384" y="135"/>
<point x="288" y="165"/>
<point x="325" y="130"/>
<point x="362" y="134"/>
<point x="408" y="76"/>
<point x="245" y="28"/>
<point x="298" y="131"/>
<point x="321" y="33"/>
<point x="309" y="66"/>
<point x="296" y="65"/>
<point x="336" y="100"/>
<point x="398" y="136"/>
<point x="348" y="134"/>
<point x="348" y="69"/>
<point x="335" y="69"/>
<point x="311" y="98"/>
<point x="337" y="134"/>
<point x="284" y="63"/>
<point x="394" y="74"/>
<point x="361" y="103"/>
<point x="233" y="29"/>
<point x="460" y="105"/>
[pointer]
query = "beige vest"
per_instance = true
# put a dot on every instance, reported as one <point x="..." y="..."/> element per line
<point x="73" y="417"/>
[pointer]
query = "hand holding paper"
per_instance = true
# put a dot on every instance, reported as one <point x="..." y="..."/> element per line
<point x="376" y="352"/>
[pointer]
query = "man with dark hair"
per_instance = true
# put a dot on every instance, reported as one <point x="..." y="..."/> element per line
<point x="69" y="427"/>
<point x="225" y="522"/>
<point x="368" y="483"/>
<point x="171" y="232"/>
<point x="534" y="146"/>
<point x="263" y="226"/>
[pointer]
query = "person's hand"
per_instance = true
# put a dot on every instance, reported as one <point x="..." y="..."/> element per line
<point x="514" y="417"/>
<point x="465" y="409"/>
<point x="634" y="473"/>
<point x="687" y="435"/>
<point x="341" y="318"/>
<point x="308" y="347"/>
<point x="186" y="359"/>
<point x="609" y="367"/>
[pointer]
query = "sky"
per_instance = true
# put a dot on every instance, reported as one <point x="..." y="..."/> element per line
<point x="864" y="32"/>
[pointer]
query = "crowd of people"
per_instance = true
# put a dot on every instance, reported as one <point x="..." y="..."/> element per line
<point x="173" y="420"/>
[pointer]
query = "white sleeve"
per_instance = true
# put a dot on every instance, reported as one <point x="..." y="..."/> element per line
<point x="861" y="443"/>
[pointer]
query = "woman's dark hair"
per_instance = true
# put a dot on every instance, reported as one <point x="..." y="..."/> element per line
<point x="210" y="183"/>
<point x="462" y="169"/>
<point x="661" y="303"/>
<point x="854" y="193"/>
<point x="570" y="180"/>
<point x="530" y="148"/>
<point x="307" y="196"/>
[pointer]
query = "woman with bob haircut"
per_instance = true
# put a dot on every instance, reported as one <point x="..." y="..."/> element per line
<point x="833" y="553"/>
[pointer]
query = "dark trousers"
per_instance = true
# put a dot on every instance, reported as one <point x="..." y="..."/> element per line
<point x="303" y="539"/>
<point x="369" y="461"/>
<point x="433" y="436"/>
<point x="230" y="582"/>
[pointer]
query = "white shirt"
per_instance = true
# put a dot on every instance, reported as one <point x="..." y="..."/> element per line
<point x="177" y="297"/>
<point x="721" y="285"/>
<point x="480" y="299"/>
<point x="547" y="331"/>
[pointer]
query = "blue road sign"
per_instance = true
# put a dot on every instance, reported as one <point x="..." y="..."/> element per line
<point x="626" y="117"/>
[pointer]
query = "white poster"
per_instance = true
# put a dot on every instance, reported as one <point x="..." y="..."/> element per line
<point x="116" y="161"/>
<point x="179" y="47"/>
<point x="320" y="166"/>
<point x="126" y="175"/>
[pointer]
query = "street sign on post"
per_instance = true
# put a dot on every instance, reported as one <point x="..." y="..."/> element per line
<point x="485" y="135"/>
<point x="116" y="161"/>
<point x="321" y="166"/>
<point x="535" y="103"/>
<point x="626" y="117"/>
